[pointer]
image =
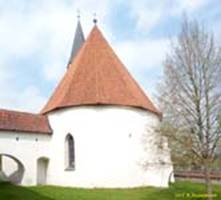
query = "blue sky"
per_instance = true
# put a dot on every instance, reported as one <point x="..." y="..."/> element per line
<point x="36" y="38"/>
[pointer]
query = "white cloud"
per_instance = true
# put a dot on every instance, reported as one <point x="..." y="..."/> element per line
<point x="193" y="4"/>
<point x="141" y="55"/>
<point x="54" y="70"/>
<point x="149" y="13"/>
<point x="147" y="20"/>
<point x="188" y="6"/>
<point x="27" y="99"/>
<point x="30" y="99"/>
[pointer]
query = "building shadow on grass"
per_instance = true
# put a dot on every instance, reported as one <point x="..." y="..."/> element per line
<point x="14" y="192"/>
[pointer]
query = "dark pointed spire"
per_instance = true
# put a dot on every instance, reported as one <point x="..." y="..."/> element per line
<point x="78" y="40"/>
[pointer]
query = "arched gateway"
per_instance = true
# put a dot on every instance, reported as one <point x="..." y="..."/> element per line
<point x="11" y="169"/>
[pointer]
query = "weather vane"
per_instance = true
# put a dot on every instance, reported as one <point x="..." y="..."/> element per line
<point x="95" y="18"/>
<point x="78" y="14"/>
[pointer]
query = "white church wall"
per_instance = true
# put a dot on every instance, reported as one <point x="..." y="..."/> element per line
<point x="108" y="147"/>
<point x="26" y="148"/>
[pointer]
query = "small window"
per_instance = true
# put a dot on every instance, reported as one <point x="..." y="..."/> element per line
<point x="69" y="153"/>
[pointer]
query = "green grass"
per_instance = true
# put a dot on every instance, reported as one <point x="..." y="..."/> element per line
<point x="175" y="191"/>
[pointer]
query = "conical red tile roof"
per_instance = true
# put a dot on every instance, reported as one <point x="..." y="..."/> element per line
<point x="97" y="76"/>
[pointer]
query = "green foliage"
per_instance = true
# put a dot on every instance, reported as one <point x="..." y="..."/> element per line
<point x="175" y="191"/>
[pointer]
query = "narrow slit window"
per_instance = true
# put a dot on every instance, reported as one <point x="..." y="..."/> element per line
<point x="70" y="152"/>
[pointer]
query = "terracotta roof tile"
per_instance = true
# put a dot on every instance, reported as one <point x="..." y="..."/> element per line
<point x="97" y="76"/>
<point x="24" y="122"/>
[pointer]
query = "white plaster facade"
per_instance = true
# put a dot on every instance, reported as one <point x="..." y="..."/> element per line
<point x="111" y="145"/>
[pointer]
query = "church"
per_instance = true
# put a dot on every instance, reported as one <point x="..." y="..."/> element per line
<point x="98" y="129"/>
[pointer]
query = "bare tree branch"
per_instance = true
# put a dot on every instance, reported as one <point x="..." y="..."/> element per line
<point x="191" y="95"/>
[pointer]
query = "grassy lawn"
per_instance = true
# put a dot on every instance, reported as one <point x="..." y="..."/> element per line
<point x="175" y="191"/>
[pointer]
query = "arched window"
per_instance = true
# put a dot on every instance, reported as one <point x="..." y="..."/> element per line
<point x="69" y="152"/>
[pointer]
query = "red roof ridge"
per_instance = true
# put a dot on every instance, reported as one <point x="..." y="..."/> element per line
<point x="19" y="112"/>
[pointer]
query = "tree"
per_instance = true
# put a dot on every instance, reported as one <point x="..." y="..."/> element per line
<point x="190" y="95"/>
<point x="181" y="154"/>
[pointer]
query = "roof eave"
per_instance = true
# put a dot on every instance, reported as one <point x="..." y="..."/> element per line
<point x="45" y="112"/>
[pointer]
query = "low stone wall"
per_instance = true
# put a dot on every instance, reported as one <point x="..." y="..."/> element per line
<point x="197" y="176"/>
